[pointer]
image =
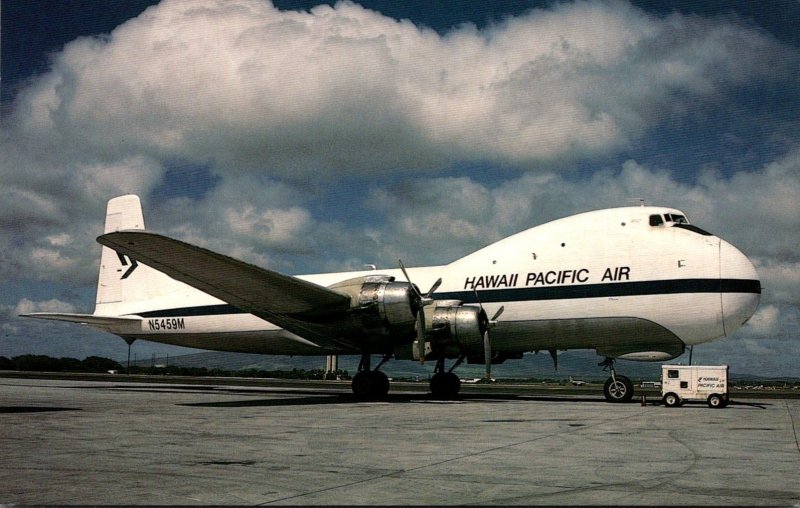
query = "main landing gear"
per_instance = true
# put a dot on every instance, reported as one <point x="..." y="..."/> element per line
<point x="617" y="388"/>
<point x="445" y="385"/>
<point x="370" y="384"/>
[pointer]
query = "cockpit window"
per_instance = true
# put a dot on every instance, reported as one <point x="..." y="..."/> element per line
<point x="676" y="218"/>
<point x="678" y="221"/>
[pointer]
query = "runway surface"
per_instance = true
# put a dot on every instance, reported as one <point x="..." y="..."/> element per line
<point x="107" y="442"/>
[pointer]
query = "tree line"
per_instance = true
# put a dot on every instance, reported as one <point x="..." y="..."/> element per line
<point x="42" y="363"/>
<point x="97" y="364"/>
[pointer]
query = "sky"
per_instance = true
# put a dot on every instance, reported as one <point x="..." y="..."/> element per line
<point x="308" y="138"/>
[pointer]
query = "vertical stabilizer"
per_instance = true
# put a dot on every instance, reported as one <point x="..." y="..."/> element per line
<point x="123" y="212"/>
<point x="124" y="285"/>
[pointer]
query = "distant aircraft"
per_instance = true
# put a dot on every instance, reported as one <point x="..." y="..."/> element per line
<point x="633" y="283"/>
<point x="576" y="382"/>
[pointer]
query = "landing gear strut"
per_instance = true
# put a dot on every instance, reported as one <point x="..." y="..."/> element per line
<point x="370" y="384"/>
<point x="617" y="388"/>
<point x="445" y="385"/>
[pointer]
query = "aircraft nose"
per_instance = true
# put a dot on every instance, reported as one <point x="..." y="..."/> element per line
<point x="741" y="287"/>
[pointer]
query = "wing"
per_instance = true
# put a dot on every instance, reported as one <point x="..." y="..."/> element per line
<point x="296" y="305"/>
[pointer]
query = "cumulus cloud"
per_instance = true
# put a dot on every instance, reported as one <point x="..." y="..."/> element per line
<point x="244" y="85"/>
<point x="297" y="96"/>
<point x="26" y="306"/>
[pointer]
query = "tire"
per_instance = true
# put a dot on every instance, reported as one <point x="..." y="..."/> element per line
<point x="619" y="391"/>
<point x="453" y="385"/>
<point x="370" y="385"/>
<point x="445" y="386"/>
<point x="380" y="385"/>
<point x="671" y="400"/>
<point x="715" y="401"/>
<point x="362" y="385"/>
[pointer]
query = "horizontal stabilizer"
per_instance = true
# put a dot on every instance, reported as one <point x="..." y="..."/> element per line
<point x="102" y="322"/>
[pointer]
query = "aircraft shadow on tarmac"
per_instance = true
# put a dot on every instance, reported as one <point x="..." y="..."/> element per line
<point x="318" y="399"/>
<point x="304" y="398"/>
<point x="34" y="409"/>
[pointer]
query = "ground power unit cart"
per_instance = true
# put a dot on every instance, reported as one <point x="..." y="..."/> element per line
<point x="682" y="383"/>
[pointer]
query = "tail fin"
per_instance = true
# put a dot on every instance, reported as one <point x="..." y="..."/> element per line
<point x="125" y="286"/>
<point x="123" y="212"/>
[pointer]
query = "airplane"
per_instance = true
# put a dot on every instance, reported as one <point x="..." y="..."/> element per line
<point x="634" y="283"/>
<point x="576" y="382"/>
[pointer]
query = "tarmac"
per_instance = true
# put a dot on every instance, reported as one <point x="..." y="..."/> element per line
<point x="108" y="442"/>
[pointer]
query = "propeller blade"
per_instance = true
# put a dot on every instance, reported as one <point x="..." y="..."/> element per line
<point x="487" y="353"/>
<point x="434" y="288"/>
<point x="477" y="298"/>
<point x="497" y="314"/>
<point x="405" y="273"/>
<point x="423" y="302"/>
<point x="487" y="340"/>
<point x="421" y="336"/>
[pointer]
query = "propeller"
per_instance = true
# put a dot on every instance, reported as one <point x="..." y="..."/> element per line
<point x="424" y="301"/>
<point x="488" y="324"/>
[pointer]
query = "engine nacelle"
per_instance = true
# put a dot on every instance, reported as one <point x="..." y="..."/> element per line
<point x="384" y="312"/>
<point x="451" y="329"/>
<point x="380" y="306"/>
<point x="454" y="328"/>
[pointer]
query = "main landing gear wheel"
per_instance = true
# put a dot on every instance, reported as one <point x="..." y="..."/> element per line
<point x="445" y="385"/>
<point x="370" y="385"/>
<point x="618" y="389"/>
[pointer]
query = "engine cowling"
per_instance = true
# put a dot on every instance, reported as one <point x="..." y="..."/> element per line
<point x="451" y="329"/>
<point x="383" y="311"/>
<point x="381" y="307"/>
<point x="454" y="329"/>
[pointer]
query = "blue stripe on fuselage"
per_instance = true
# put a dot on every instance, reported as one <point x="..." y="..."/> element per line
<point x="658" y="287"/>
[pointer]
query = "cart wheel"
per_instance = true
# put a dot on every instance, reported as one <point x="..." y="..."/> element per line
<point x="671" y="400"/>
<point x="715" y="401"/>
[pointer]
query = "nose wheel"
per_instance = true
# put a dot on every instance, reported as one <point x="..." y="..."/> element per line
<point x="617" y="388"/>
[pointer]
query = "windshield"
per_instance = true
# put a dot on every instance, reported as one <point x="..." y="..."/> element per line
<point x="676" y="218"/>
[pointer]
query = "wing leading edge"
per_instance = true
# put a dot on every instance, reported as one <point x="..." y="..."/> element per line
<point x="296" y="305"/>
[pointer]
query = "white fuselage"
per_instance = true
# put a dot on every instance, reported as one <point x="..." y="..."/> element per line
<point x="605" y="280"/>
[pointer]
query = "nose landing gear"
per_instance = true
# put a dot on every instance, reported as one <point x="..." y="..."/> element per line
<point x="617" y="388"/>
